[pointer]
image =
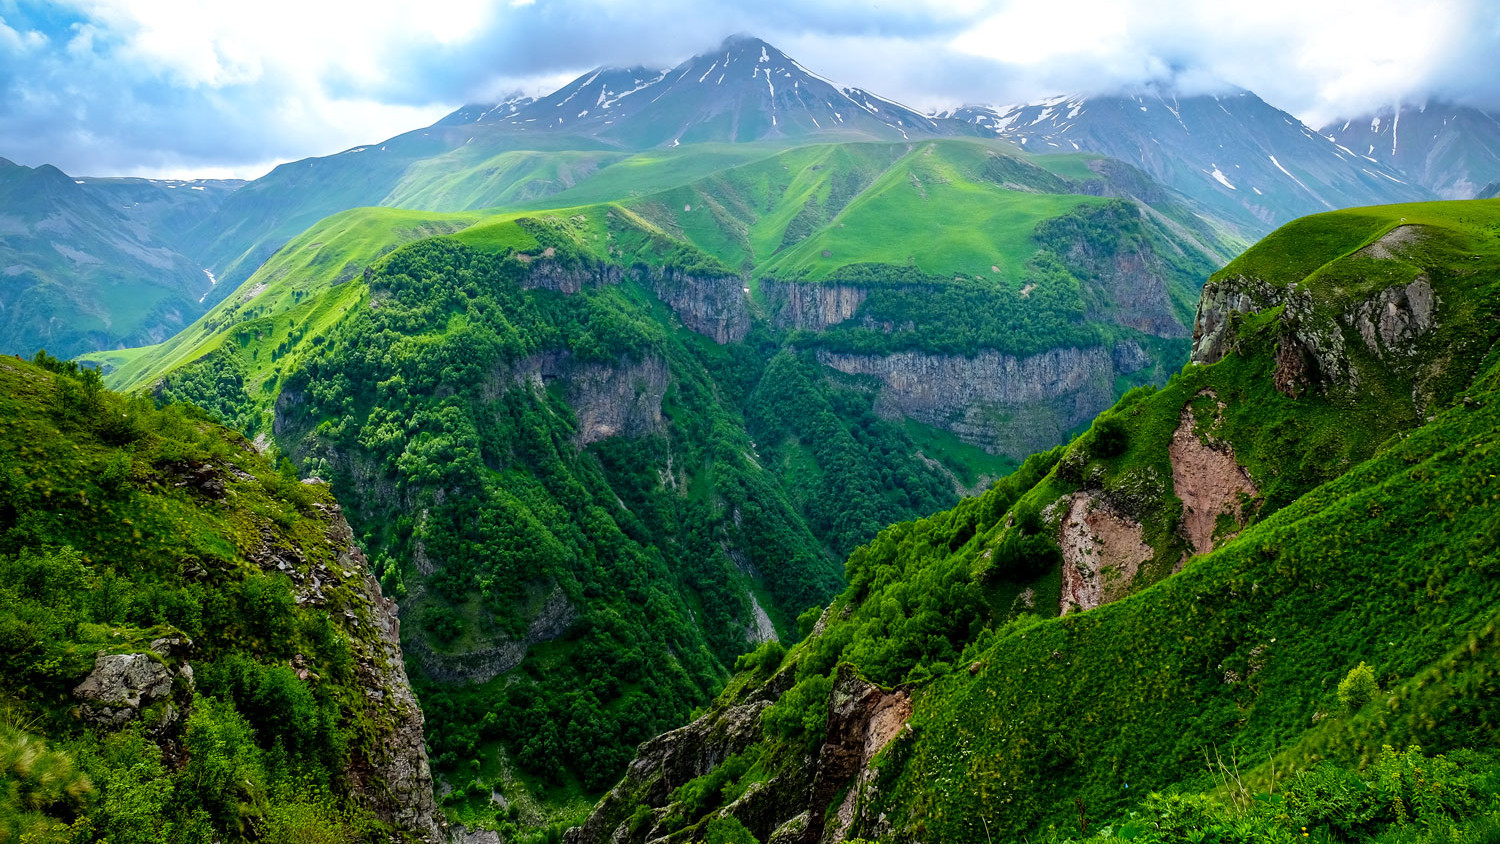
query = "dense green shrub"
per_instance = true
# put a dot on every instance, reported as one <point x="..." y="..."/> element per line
<point x="1358" y="687"/>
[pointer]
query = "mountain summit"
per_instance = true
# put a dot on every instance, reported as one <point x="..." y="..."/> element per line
<point x="746" y="90"/>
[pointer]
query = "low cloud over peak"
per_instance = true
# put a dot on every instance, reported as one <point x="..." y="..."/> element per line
<point x="105" y="87"/>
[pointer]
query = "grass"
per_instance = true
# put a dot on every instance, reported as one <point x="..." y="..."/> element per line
<point x="291" y="294"/>
<point x="970" y="464"/>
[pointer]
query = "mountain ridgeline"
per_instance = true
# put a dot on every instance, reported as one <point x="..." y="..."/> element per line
<point x="1242" y="164"/>
<point x="140" y="259"/>
<point x="87" y="264"/>
<point x="1198" y="621"/>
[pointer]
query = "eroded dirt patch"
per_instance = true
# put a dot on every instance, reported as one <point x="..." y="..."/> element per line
<point x="1102" y="551"/>
<point x="1392" y="243"/>
<point x="1209" y="481"/>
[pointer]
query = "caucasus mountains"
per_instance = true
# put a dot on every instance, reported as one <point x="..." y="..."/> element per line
<point x="1452" y="150"/>
<point x="1244" y="165"/>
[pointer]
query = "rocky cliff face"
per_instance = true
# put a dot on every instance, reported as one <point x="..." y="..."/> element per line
<point x="715" y="307"/>
<point x="1313" y="351"/>
<point x="811" y="307"/>
<point x="481" y="666"/>
<point x="610" y="399"/>
<point x="390" y="775"/>
<point x="1003" y="404"/>
<point x="544" y="273"/>
<point x="792" y="806"/>
<point x="387" y="769"/>
<point x="1124" y="280"/>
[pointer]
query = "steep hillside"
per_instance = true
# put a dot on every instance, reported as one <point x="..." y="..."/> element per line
<point x="1244" y="160"/>
<point x="1452" y="150"/>
<point x="88" y="264"/>
<point x="300" y="291"/>
<point x="1241" y="584"/>
<point x="549" y="453"/>
<point x="191" y="645"/>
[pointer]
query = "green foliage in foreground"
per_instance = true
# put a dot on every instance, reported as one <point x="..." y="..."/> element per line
<point x="1400" y="797"/>
<point x="104" y="548"/>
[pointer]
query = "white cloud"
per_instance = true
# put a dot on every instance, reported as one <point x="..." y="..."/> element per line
<point x="181" y="85"/>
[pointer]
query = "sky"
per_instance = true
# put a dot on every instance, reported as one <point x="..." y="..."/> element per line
<point x="228" y="88"/>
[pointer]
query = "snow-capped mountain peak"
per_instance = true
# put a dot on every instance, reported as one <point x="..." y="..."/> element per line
<point x="744" y="90"/>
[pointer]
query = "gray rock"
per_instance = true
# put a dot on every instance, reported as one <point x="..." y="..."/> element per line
<point x="715" y="307"/>
<point x="121" y="685"/>
<point x="811" y="307"/>
<point x="1001" y="403"/>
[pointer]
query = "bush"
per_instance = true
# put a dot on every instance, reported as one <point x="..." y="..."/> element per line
<point x="1110" y="437"/>
<point x="1358" y="687"/>
<point x="764" y="659"/>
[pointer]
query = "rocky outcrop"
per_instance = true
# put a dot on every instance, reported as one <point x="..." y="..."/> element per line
<point x="1102" y="552"/>
<point x="792" y="806"/>
<point x="811" y="306"/>
<point x="609" y="399"/>
<point x="760" y="629"/>
<point x="1392" y="320"/>
<point x="122" y="685"/>
<point x="389" y="775"/>
<point x="1314" y="343"/>
<point x="715" y="307"/>
<point x="544" y="273"/>
<point x="666" y="762"/>
<point x="1003" y="404"/>
<point x="1209" y="482"/>
<point x="862" y="719"/>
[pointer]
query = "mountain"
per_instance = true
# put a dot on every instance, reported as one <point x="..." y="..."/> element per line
<point x="193" y="647"/>
<point x="96" y="263"/>
<point x="747" y="90"/>
<point x="1452" y="150"/>
<point x="1237" y="156"/>
<point x="164" y="209"/>
<point x="1256" y="604"/>
<point x="632" y="438"/>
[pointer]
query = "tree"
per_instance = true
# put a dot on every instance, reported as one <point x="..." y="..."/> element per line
<point x="1358" y="687"/>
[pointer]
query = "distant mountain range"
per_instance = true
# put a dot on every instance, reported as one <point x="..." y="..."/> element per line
<point x="1451" y="150"/>
<point x="747" y="90"/>
<point x="1237" y="156"/>
<point x="91" y="263"/>
<point x="1244" y="166"/>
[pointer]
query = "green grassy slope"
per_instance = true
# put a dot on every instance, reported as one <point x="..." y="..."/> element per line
<point x="446" y="389"/>
<point x="1371" y="538"/>
<point x="288" y="290"/>
<point x="131" y="530"/>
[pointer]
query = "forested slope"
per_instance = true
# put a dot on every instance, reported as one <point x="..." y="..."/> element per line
<point x="1282" y="560"/>
<point x="579" y="445"/>
<point x="192" y="646"/>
